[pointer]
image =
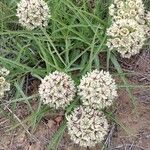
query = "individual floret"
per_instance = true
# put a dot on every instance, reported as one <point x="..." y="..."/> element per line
<point x="4" y="72"/>
<point x="126" y="36"/>
<point x="33" y="13"/>
<point x="57" y="89"/>
<point x="97" y="89"/>
<point x="87" y="126"/>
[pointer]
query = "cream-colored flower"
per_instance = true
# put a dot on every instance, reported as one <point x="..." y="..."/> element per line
<point x="116" y="42"/>
<point x="2" y="80"/>
<point x="3" y="71"/>
<point x="111" y="9"/>
<point x="131" y="26"/>
<point x="120" y="4"/>
<point x="117" y="18"/>
<point x="113" y="31"/>
<point x="120" y="12"/>
<point x="57" y="89"/>
<point x="125" y="41"/>
<point x="131" y="4"/>
<point x="124" y="31"/>
<point x="87" y="126"/>
<point x="97" y="89"/>
<point x="129" y="9"/>
<point x="4" y="85"/>
<point x="130" y="39"/>
<point x="132" y="13"/>
<point x="33" y="13"/>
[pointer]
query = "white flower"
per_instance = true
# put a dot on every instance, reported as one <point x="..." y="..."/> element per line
<point x="119" y="4"/>
<point x="57" y="89"/>
<point x="33" y="13"/>
<point x="129" y="38"/>
<point x="87" y="126"/>
<point x="3" y="71"/>
<point x="131" y="23"/>
<point x="97" y="89"/>
<point x="129" y="9"/>
<point x="4" y="85"/>
<point x="131" y="4"/>
<point x="124" y="31"/>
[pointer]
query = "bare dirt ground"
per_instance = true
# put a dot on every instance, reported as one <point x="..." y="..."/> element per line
<point x="136" y="120"/>
<point x="133" y="134"/>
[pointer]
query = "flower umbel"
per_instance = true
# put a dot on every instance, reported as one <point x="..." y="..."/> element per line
<point x="129" y="9"/>
<point x="57" y="89"/>
<point x="126" y="36"/>
<point x="33" y="13"/>
<point x="87" y="126"/>
<point x="97" y="89"/>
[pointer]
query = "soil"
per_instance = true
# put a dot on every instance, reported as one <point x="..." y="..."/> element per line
<point x="135" y="118"/>
<point x="131" y="132"/>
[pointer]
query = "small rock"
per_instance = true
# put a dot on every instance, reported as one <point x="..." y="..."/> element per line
<point x="35" y="146"/>
<point x="21" y="138"/>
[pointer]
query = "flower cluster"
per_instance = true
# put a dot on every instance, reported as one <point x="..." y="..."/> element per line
<point x="129" y="9"/>
<point x="97" y="89"/>
<point x="4" y="86"/>
<point x="57" y="89"/>
<point x="87" y="126"/>
<point x="128" y="30"/>
<point x="127" y="37"/>
<point x="33" y="13"/>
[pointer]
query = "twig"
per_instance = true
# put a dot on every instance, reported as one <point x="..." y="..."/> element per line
<point x="109" y="137"/>
<point x="127" y="145"/>
<point x="130" y="148"/>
